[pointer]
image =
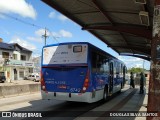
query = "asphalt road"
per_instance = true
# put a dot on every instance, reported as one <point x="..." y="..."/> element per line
<point x="55" y="109"/>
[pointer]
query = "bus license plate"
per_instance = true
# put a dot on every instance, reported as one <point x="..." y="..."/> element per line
<point x="62" y="86"/>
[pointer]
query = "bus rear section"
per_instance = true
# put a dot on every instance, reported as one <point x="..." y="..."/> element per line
<point x="65" y="73"/>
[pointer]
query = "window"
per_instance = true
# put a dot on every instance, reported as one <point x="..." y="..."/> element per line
<point x="93" y="61"/>
<point x="21" y="74"/>
<point x="5" y="55"/>
<point x="23" y="57"/>
<point x="121" y="69"/>
<point x="30" y="70"/>
<point x="15" y="56"/>
<point x="1" y="73"/>
<point x="106" y="67"/>
<point x="77" y="49"/>
<point x="114" y="67"/>
<point x="37" y="76"/>
<point x="118" y="68"/>
<point x="99" y="63"/>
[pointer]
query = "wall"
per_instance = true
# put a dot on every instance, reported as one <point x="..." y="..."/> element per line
<point x="14" y="90"/>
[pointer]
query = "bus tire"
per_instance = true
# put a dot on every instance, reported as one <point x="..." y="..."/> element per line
<point x="105" y="93"/>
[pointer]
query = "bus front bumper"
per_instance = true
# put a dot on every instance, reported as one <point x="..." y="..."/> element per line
<point x="79" y="97"/>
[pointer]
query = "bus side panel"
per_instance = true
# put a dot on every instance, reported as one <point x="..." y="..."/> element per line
<point x="100" y="80"/>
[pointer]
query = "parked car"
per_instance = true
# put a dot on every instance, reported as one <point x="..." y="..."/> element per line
<point x="35" y="78"/>
<point x="2" y="77"/>
<point x="26" y="77"/>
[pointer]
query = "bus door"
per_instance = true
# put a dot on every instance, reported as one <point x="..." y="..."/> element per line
<point x="111" y="77"/>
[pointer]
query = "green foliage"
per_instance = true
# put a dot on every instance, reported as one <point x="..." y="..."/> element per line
<point x="135" y="70"/>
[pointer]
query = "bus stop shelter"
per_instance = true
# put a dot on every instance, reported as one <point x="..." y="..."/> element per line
<point x="130" y="27"/>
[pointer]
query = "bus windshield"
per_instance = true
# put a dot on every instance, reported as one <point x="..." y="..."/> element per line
<point x="65" y="54"/>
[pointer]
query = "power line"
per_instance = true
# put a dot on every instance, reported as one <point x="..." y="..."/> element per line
<point x="50" y="33"/>
<point x="22" y="21"/>
<point x="28" y="23"/>
<point x="55" y="38"/>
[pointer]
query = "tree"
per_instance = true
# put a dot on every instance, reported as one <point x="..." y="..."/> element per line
<point x="135" y="70"/>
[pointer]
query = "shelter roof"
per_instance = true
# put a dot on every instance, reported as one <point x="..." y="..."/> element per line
<point x="124" y="25"/>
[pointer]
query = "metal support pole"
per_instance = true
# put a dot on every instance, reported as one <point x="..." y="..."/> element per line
<point x="154" y="83"/>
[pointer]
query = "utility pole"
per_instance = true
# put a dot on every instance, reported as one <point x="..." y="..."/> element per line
<point x="154" y="82"/>
<point x="45" y="36"/>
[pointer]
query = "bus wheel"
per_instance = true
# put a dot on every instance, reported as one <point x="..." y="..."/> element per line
<point x="105" y="93"/>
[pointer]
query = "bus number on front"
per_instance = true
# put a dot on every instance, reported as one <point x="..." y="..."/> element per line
<point x="75" y="89"/>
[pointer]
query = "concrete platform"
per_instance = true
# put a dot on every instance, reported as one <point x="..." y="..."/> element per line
<point x="129" y="101"/>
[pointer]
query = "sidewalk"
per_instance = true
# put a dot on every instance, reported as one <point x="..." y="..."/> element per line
<point x="128" y="101"/>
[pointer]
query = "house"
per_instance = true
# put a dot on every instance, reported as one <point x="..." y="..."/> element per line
<point x="15" y="61"/>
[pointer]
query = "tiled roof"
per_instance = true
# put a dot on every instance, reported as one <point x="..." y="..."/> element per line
<point x="11" y="46"/>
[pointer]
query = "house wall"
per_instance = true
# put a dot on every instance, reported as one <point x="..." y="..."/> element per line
<point x="9" y="70"/>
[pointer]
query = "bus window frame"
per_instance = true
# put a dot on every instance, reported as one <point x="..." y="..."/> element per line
<point x="75" y="47"/>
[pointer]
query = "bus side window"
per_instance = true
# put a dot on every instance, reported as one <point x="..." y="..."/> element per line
<point x="93" y="61"/>
<point x="106" y="68"/>
<point x="118" y="70"/>
<point x="103" y="62"/>
<point x="98" y="63"/>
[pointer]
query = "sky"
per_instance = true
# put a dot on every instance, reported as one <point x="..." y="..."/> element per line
<point x="24" y="22"/>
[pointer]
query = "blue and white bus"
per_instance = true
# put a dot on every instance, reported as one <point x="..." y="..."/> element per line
<point x="79" y="71"/>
